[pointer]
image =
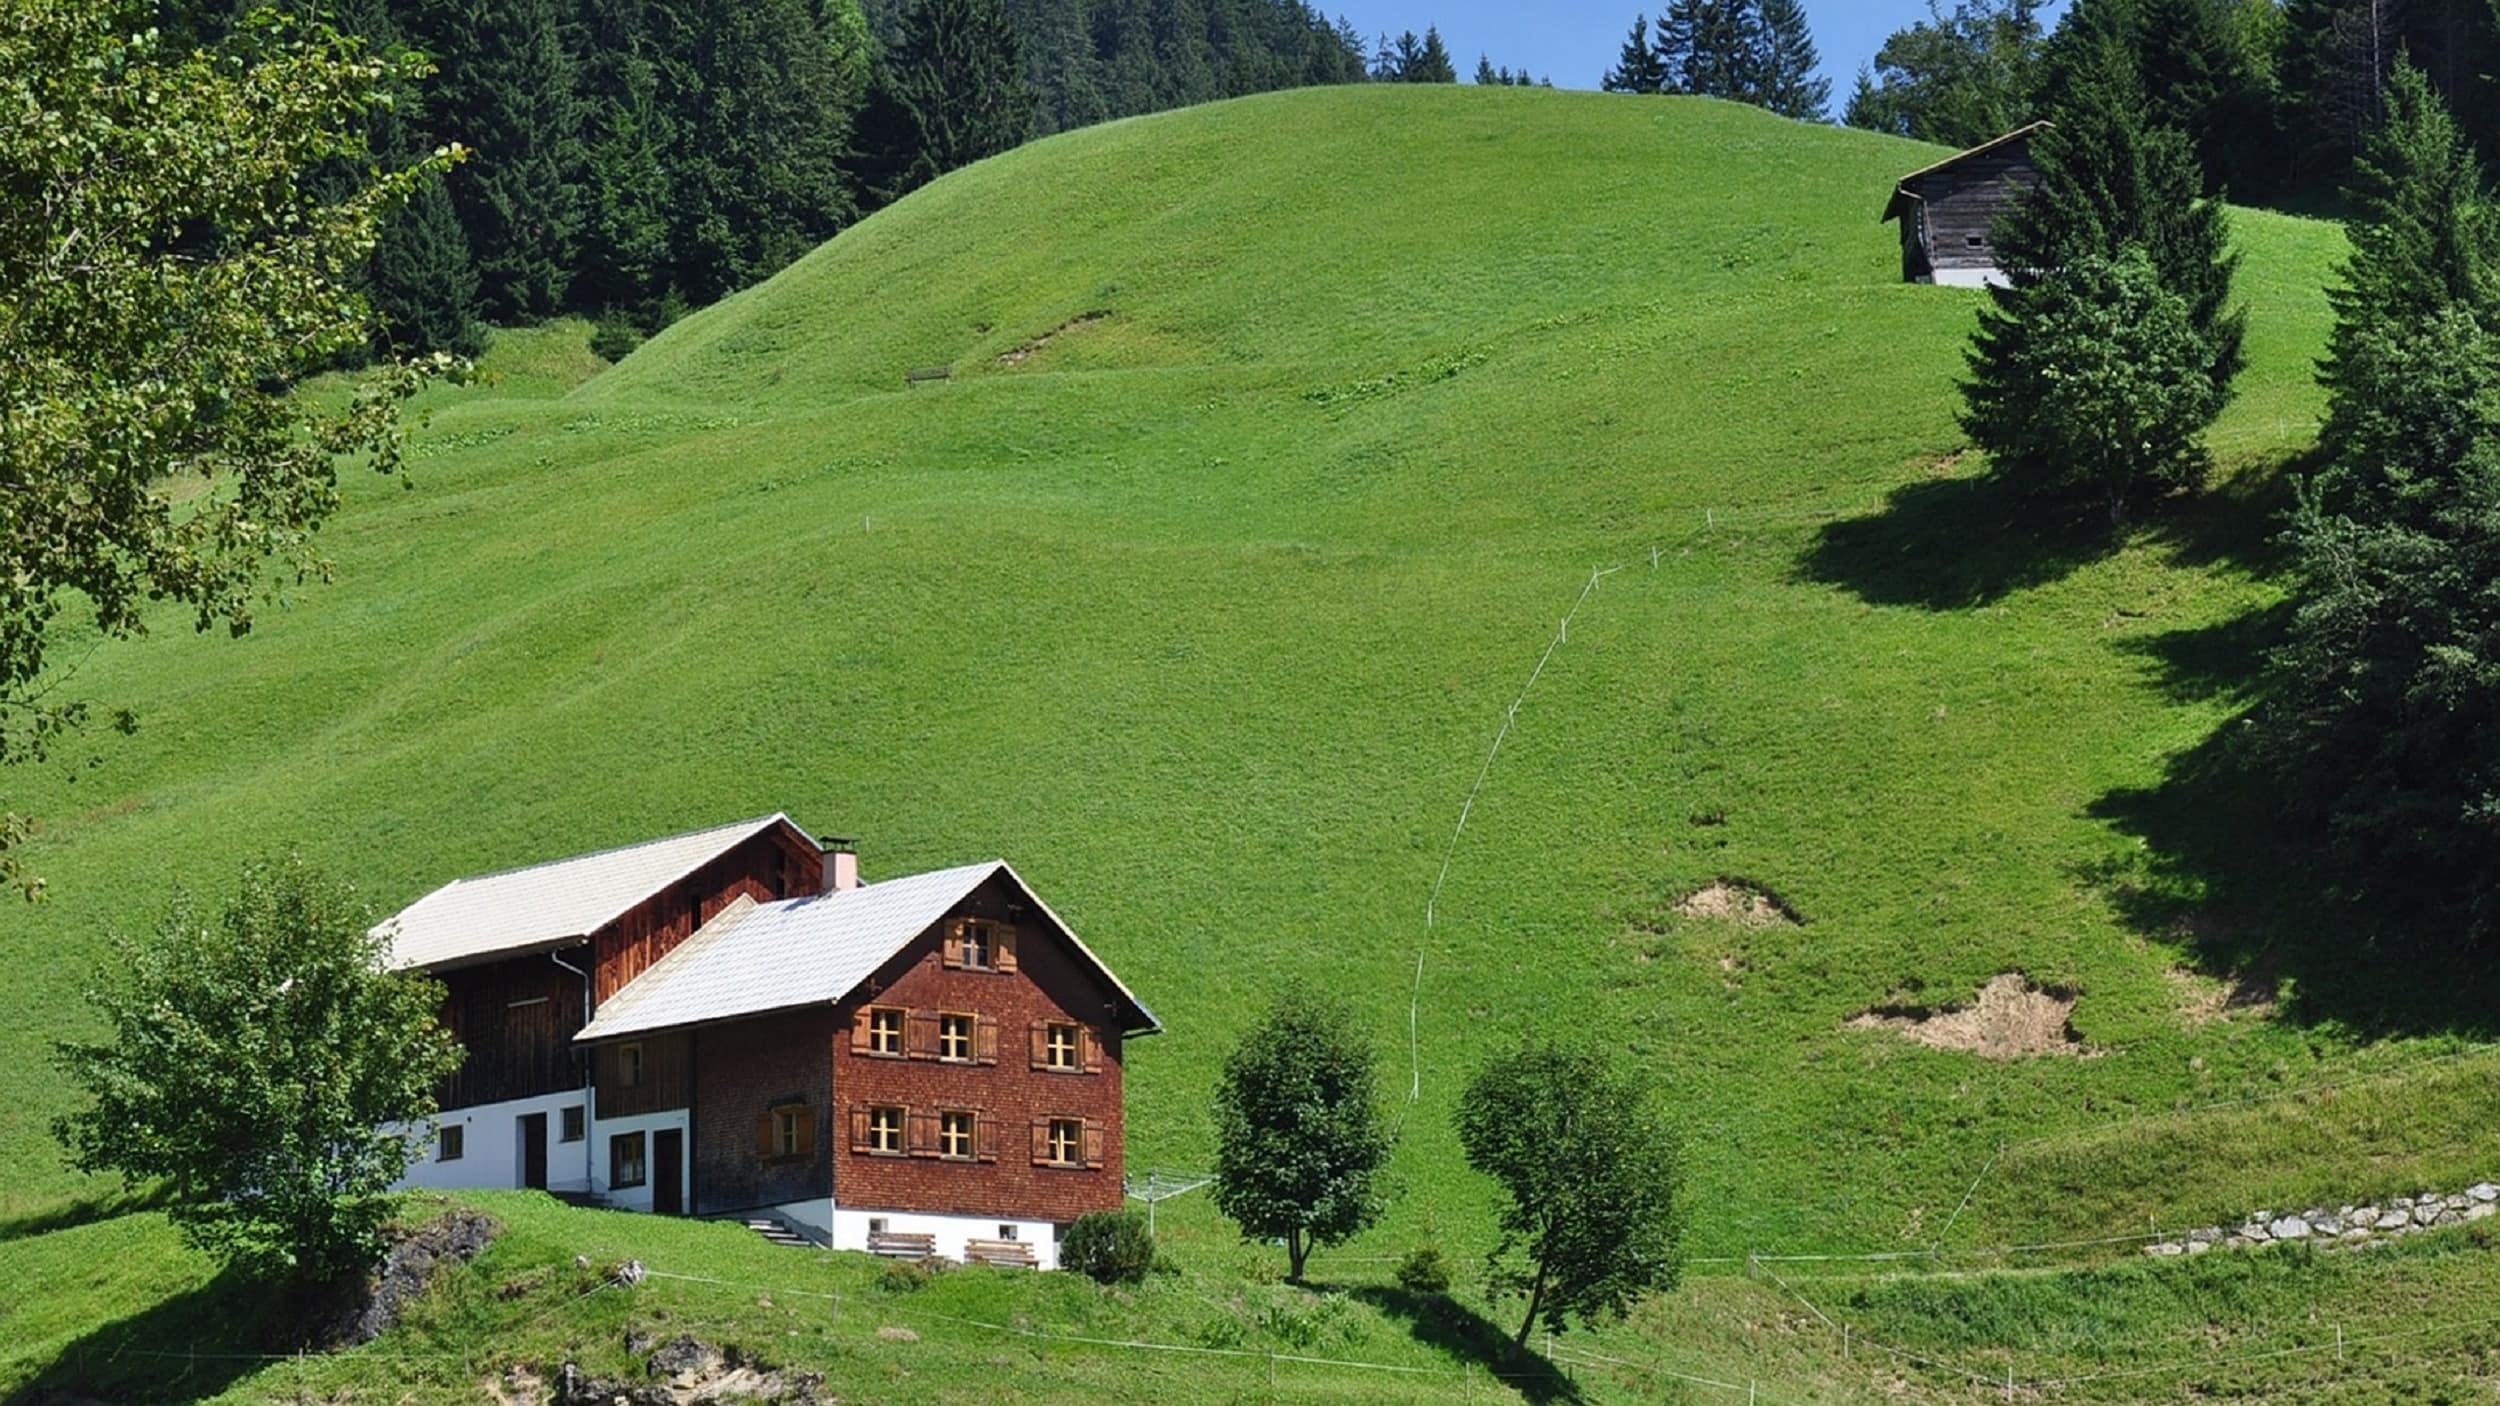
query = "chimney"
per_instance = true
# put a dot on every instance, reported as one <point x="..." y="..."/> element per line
<point x="841" y="864"/>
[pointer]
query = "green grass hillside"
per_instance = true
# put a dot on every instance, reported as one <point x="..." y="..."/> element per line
<point x="1281" y="437"/>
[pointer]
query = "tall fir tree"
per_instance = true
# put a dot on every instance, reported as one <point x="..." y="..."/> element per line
<point x="2383" y="712"/>
<point x="1790" y="83"/>
<point x="2203" y="78"/>
<point x="1432" y="61"/>
<point x="505" y="90"/>
<point x="2111" y="189"/>
<point x="951" y="93"/>
<point x="424" y="284"/>
<point x="629" y="141"/>
<point x="2425" y="244"/>
<point x="1639" y="68"/>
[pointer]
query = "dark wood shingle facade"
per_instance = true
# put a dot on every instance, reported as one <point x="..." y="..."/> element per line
<point x="1949" y="211"/>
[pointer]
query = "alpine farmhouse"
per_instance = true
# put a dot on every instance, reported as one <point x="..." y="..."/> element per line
<point x="731" y="1023"/>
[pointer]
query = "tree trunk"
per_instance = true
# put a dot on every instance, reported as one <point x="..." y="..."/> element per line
<point x="1296" y="1251"/>
<point x="1536" y="1299"/>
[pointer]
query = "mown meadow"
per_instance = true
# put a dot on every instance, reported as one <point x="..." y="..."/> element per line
<point x="1280" y="438"/>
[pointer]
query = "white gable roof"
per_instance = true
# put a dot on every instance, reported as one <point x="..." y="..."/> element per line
<point x="803" y="952"/>
<point x="554" y="904"/>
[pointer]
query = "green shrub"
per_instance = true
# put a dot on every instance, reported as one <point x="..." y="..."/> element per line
<point x="1109" y="1247"/>
<point x="905" y="1277"/>
<point x="615" y="337"/>
<point x="1424" y="1270"/>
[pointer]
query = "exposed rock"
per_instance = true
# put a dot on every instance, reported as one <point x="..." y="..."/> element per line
<point x="893" y="1334"/>
<point x="371" y="1308"/>
<point x="2394" y="1220"/>
<point x="2483" y="1191"/>
<point x="687" y="1372"/>
<point x="2478" y="1211"/>
<point x="2288" y="1228"/>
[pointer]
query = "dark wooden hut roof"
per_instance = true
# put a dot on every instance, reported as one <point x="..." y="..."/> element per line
<point x="1901" y="192"/>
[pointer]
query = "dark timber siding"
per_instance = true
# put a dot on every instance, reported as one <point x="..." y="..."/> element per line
<point x="517" y="1020"/>
<point x="1952" y="223"/>
<point x="774" y="864"/>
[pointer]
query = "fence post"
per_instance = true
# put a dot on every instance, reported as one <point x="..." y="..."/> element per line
<point x="1844" y="1342"/>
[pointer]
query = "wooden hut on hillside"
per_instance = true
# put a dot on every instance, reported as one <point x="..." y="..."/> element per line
<point x="1948" y="211"/>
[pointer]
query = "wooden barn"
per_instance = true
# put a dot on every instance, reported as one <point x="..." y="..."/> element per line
<point x="1948" y="211"/>
<point x="731" y="1023"/>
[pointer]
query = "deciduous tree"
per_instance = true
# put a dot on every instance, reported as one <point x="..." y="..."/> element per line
<point x="1300" y="1142"/>
<point x="1959" y="79"/>
<point x="1591" y="1176"/>
<point x="265" y="1066"/>
<point x="167" y="270"/>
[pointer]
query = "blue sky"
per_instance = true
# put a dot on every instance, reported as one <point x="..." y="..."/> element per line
<point x="1574" y="41"/>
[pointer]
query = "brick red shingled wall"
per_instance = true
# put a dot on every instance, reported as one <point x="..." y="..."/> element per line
<point x="1051" y="983"/>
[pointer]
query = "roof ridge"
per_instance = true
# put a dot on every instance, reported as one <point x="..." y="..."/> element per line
<point x="751" y="822"/>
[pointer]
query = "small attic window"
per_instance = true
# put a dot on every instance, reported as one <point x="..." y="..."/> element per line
<point x="1975" y="241"/>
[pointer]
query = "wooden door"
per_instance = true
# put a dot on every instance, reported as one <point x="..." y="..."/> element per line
<point x="668" y="1171"/>
<point x="534" y="1151"/>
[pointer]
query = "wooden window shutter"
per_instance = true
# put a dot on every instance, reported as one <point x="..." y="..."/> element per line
<point x="1038" y="1036"/>
<point x="1093" y="1143"/>
<point x="985" y="1137"/>
<point x="1003" y="946"/>
<point x="923" y="1127"/>
<point x="859" y="1031"/>
<point x="1041" y="1142"/>
<point x="807" y="1133"/>
<point x="764" y="1136"/>
<point x="1089" y="1049"/>
<point x="985" y="1040"/>
<point x="859" y="1130"/>
<point x="953" y="945"/>
<point x="920" y="1034"/>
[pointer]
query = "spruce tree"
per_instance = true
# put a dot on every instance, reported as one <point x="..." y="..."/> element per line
<point x="1639" y="68"/>
<point x="1789" y="83"/>
<point x="1486" y="77"/>
<point x="1433" y="60"/>
<point x="505" y="90"/>
<point x="2426" y="244"/>
<point x="956" y="80"/>
<point x="424" y="284"/>
<point x="2110" y="189"/>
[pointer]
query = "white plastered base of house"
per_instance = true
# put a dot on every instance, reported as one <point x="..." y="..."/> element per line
<point x="491" y="1147"/>
<point x="603" y="1134"/>
<point x="1969" y="278"/>
<point x="851" y="1229"/>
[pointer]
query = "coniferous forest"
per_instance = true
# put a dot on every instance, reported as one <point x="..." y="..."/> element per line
<point x="633" y="159"/>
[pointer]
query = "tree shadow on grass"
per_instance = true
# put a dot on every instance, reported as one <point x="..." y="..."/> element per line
<point x="86" y="1210"/>
<point x="193" y="1346"/>
<point x="2256" y="898"/>
<point x="1452" y="1327"/>
<point x="1956" y="541"/>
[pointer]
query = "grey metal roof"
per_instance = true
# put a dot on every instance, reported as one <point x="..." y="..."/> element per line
<point x="552" y="904"/>
<point x="804" y="952"/>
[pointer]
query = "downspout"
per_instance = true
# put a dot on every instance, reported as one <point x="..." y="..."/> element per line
<point x="590" y="1095"/>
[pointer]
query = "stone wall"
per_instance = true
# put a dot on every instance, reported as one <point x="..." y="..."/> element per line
<point x="2338" y="1226"/>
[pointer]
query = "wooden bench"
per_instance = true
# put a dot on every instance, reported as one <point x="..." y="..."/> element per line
<point x="1013" y="1253"/>
<point x="920" y="374"/>
<point x="901" y="1245"/>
